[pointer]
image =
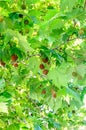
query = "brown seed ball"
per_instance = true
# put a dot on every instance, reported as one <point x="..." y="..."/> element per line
<point x="26" y="30"/>
<point x="48" y="63"/>
<point x="1" y="19"/>
<point x="26" y="22"/>
<point x="81" y="32"/>
<point x="41" y="66"/>
<point x="54" y="95"/>
<point x="73" y="111"/>
<point x="60" y="49"/>
<point x="45" y="60"/>
<point x="40" y="86"/>
<point x="14" y="57"/>
<point x="23" y="6"/>
<point x="80" y="77"/>
<point x="2" y="63"/>
<point x="45" y="72"/>
<point x="43" y="91"/>
<point x="15" y="64"/>
<point x="21" y="32"/>
<point x="74" y="74"/>
<point x="21" y="15"/>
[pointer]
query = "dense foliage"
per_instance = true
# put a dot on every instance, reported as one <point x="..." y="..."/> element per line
<point x="42" y="64"/>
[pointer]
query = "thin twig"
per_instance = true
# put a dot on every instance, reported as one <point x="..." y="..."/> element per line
<point x="58" y="47"/>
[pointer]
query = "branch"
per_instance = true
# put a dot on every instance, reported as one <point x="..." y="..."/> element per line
<point x="77" y="59"/>
<point x="58" y="47"/>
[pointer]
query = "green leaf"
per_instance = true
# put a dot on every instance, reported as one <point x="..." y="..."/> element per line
<point x="58" y="76"/>
<point x="2" y="27"/>
<point x="13" y="127"/>
<point x="33" y="30"/>
<point x="50" y="15"/>
<point x="31" y="2"/>
<point x="34" y="64"/>
<point x="24" y="128"/>
<point x="18" y="110"/>
<point x="2" y="124"/>
<point x="51" y="103"/>
<point x="58" y="104"/>
<point x="83" y="93"/>
<point x="6" y="94"/>
<point x="37" y="127"/>
<point x="74" y="95"/>
<point x="76" y="13"/>
<point x="7" y="0"/>
<point x="2" y="83"/>
<point x="3" y="107"/>
<point x="18" y="38"/>
<point x="23" y="42"/>
<point x="67" y="4"/>
<point x="81" y="69"/>
<point x="34" y="43"/>
<point x="16" y="79"/>
<point x="3" y="99"/>
<point x="57" y="23"/>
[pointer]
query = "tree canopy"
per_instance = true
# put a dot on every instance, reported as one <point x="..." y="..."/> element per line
<point x="42" y="64"/>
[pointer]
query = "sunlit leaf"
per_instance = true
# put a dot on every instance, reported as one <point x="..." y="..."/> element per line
<point x="3" y="107"/>
<point x="2" y="83"/>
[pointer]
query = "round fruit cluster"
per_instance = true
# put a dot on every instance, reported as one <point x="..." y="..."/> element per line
<point x="53" y="92"/>
<point x="76" y="75"/>
<point x="14" y="58"/>
<point x="42" y="66"/>
<point x="2" y="63"/>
